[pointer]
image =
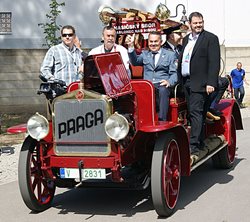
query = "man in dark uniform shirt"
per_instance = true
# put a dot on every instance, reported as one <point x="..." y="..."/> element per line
<point x="174" y="37"/>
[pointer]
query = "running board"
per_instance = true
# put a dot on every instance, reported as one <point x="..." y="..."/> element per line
<point x="204" y="159"/>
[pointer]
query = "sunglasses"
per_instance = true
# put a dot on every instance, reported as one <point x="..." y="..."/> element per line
<point x="67" y="34"/>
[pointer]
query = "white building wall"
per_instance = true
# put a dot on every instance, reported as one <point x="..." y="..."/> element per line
<point x="226" y="18"/>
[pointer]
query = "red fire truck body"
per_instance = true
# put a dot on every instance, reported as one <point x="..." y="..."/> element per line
<point x="104" y="132"/>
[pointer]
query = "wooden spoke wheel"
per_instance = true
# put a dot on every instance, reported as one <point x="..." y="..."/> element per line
<point x="225" y="158"/>
<point x="37" y="191"/>
<point x="165" y="174"/>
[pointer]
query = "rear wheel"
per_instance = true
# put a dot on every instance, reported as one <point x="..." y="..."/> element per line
<point x="37" y="191"/>
<point x="225" y="158"/>
<point x="165" y="174"/>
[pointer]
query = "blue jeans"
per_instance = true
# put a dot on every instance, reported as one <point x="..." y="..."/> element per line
<point x="239" y="94"/>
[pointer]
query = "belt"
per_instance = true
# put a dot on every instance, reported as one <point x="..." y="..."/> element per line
<point x="186" y="77"/>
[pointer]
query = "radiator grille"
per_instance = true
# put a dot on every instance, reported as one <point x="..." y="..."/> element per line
<point x="79" y="127"/>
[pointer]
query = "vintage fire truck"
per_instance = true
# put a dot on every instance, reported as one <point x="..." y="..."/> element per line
<point x="104" y="132"/>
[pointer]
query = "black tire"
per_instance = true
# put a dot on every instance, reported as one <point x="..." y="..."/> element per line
<point x="37" y="191"/>
<point x="224" y="159"/>
<point x="165" y="174"/>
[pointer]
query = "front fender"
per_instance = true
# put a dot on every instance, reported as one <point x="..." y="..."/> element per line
<point x="183" y="143"/>
<point x="28" y="144"/>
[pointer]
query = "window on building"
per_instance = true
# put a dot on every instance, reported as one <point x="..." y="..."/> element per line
<point x="5" y="23"/>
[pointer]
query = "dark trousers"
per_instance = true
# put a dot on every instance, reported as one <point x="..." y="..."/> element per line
<point x="197" y="103"/>
<point x="198" y="109"/>
<point x="239" y="94"/>
<point x="186" y="89"/>
<point x="162" y="100"/>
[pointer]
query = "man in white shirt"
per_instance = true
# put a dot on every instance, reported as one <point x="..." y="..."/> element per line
<point x="199" y="66"/>
<point x="109" y="45"/>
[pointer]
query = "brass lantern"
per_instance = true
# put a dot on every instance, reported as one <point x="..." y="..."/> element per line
<point x="106" y="13"/>
<point x="162" y="12"/>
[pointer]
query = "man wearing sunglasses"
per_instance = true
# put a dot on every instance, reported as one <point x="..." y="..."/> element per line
<point x="63" y="61"/>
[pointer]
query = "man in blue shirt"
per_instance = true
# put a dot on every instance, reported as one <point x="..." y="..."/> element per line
<point x="159" y="67"/>
<point x="238" y="76"/>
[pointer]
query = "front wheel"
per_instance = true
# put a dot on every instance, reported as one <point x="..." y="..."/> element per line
<point x="37" y="191"/>
<point x="165" y="174"/>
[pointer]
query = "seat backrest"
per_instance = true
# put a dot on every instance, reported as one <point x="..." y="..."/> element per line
<point x="145" y="99"/>
<point x="136" y="71"/>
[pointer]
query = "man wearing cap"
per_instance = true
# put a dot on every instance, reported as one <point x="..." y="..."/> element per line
<point x="174" y="39"/>
<point x="159" y="67"/>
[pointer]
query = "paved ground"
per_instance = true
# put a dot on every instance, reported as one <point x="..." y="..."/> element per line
<point x="8" y="166"/>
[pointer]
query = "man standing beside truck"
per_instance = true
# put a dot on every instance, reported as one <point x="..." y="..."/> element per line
<point x="199" y="68"/>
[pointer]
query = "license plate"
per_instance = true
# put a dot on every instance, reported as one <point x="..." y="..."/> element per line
<point x="86" y="173"/>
